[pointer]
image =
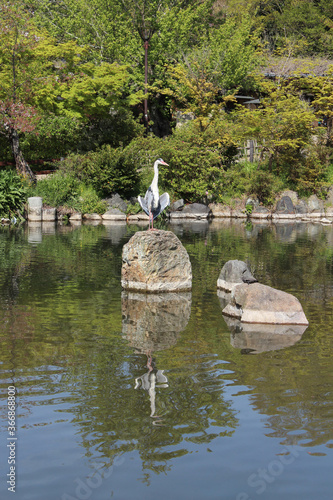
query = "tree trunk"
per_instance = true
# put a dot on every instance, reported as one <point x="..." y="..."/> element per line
<point x="329" y="131"/>
<point x="22" y="167"/>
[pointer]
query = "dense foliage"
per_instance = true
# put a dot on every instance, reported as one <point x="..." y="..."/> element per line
<point x="73" y="85"/>
<point x="12" y="193"/>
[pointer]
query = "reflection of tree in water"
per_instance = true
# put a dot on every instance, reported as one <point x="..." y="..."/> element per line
<point x="293" y="385"/>
<point x="117" y="417"/>
<point x="294" y="390"/>
<point x="75" y="331"/>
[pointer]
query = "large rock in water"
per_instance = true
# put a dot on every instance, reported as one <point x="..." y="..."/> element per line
<point x="257" y="303"/>
<point x="155" y="261"/>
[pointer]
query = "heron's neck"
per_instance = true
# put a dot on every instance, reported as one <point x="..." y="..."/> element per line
<point x="154" y="183"/>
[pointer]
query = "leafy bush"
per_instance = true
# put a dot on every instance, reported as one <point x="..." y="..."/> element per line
<point x="237" y="179"/>
<point x="197" y="161"/>
<point x="87" y="201"/>
<point x="104" y="169"/>
<point x="313" y="173"/>
<point x="142" y="153"/>
<point x="67" y="190"/>
<point x="12" y="192"/>
<point x="265" y="186"/>
<point x="57" y="189"/>
<point x="54" y="137"/>
<point x="133" y="209"/>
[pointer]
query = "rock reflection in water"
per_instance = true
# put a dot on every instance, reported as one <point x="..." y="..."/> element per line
<point x="115" y="230"/>
<point x="179" y="227"/>
<point x="150" y="323"/>
<point x="257" y="338"/>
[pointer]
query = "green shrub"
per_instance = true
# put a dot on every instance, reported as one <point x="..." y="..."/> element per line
<point x="57" y="189"/>
<point x="13" y="193"/>
<point x="133" y="209"/>
<point x="265" y="186"/>
<point x="54" y="137"/>
<point x="105" y="170"/>
<point x="67" y="190"/>
<point x="237" y="180"/>
<point x="87" y="201"/>
<point x="57" y="136"/>
<point x="313" y="175"/>
<point x="197" y="161"/>
<point x="142" y="153"/>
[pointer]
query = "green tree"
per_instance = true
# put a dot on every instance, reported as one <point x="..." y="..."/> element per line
<point x="117" y="32"/>
<point x="209" y="76"/>
<point x="306" y="23"/>
<point x="17" y="113"/>
<point x="282" y="126"/>
<point x="322" y="89"/>
<point x="40" y="76"/>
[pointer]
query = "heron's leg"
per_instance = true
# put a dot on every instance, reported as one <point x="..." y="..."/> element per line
<point x="151" y="221"/>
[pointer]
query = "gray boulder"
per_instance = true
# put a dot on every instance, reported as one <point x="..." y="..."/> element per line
<point x="301" y="207"/>
<point x="254" y="202"/>
<point x="92" y="217"/>
<point x="233" y="273"/>
<point x="285" y="206"/>
<point x="116" y="201"/>
<point x="315" y="205"/>
<point x="196" y="208"/>
<point x="155" y="261"/>
<point x="49" y="214"/>
<point x="193" y="211"/>
<point x="257" y="303"/>
<point x="176" y="205"/>
<point x="291" y="194"/>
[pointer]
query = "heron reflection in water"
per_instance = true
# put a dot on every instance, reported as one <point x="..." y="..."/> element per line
<point x="150" y="381"/>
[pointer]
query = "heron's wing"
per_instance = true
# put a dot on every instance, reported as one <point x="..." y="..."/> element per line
<point x="164" y="201"/>
<point x="143" y="204"/>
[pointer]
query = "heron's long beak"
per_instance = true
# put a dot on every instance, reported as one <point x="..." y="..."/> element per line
<point x="164" y="163"/>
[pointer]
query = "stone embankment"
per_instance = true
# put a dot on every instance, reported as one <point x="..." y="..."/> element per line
<point x="288" y="206"/>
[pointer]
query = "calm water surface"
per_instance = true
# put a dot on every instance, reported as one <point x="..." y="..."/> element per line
<point x="122" y="396"/>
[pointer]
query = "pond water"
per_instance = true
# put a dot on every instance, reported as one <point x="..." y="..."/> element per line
<point x="123" y="396"/>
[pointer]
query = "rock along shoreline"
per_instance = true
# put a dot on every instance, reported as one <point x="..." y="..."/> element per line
<point x="288" y="207"/>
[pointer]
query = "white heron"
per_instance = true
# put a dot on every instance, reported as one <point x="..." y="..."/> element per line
<point x="154" y="204"/>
